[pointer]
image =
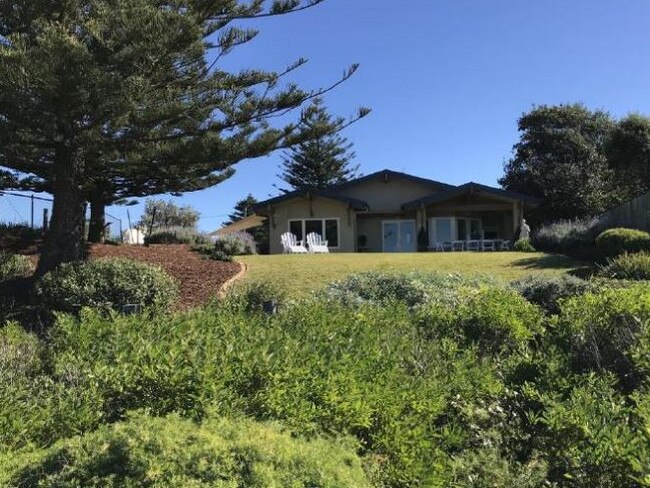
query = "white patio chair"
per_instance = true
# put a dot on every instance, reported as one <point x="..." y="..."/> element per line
<point x="474" y="245"/>
<point x="488" y="245"/>
<point x="292" y="245"/>
<point x="316" y="244"/>
<point x="458" y="246"/>
<point x="505" y="245"/>
<point x="439" y="247"/>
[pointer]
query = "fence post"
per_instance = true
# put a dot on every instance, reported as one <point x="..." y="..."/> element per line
<point x="45" y="220"/>
<point x="32" y="201"/>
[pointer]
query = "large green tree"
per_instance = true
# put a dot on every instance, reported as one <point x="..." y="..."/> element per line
<point x="120" y="98"/>
<point x="629" y="155"/>
<point x="561" y="158"/>
<point x="322" y="161"/>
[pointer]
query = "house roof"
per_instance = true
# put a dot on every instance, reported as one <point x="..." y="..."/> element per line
<point x="332" y="191"/>
<point x="388" y="173"/>
<point x="471" y="187"/>
<point x="329" y="193"/>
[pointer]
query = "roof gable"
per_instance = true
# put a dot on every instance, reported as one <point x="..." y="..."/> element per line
<point x="472" y="187"/>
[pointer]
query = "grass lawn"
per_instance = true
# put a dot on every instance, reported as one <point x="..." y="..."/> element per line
<point x="304" y="273"/>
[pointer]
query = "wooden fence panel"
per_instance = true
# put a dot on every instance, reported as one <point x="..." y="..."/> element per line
<point x="634" y="214"/>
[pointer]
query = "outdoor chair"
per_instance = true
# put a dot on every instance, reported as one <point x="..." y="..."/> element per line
<point x="488" y="245"/>
<point x="474" y="245"/>
<point x="316" y="244"/>
<point x="458" y="246"/>
<point x="292" y="245"/>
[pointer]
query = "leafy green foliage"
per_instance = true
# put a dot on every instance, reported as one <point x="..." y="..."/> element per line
<point x="614" y="242"/>
<point x="411" y="289"/>
<point x="14" y="266"/>
<point x="235" y="244"/>
<point x="105" y="284"/>
<point x="177" y="235"/>
<point x="602" y="331"/>
<point x="161" y="214"/>
<point x="574" y="238"/>
<point x="467" y="384"/>
<point x="549" y="291"/>
<point x="524" y="245"/>
<point x="628" y="153"/>
<point x="171" y="452"/>
<point x="634" y="267"/>
<point x="36" y="407"/>
<point x="561" y="158"/>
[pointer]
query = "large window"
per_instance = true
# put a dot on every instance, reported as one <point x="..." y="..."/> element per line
<point x="328" y="229"/>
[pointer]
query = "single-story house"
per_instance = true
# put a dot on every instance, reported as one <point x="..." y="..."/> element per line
<point x="384" y="212"/>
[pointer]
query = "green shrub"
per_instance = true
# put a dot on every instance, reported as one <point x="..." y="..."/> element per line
<point x="105" y="284"/>
<point x="235" y="244"/>
<point x="170" y="452"/>
<point x="315" y="367"/>
<point x="18" y="237"/>
<point x="411" y="289"/>
<point x="252" y="296"/>
<point x="496" y="320"/>
<point x="35" y="407"/>
<point x="603" y="330"/>
<point x="548" y="291"/>
<point x="590" y="436"/>
<point x="176" y="235"/>
<point x="614" y="242"/>
<point x="524" y="245"/>
<point x="634" y="267"/>
<point x="571" y="237"/>
<point x="209" y="251"/>
<point x="14" y="266"/>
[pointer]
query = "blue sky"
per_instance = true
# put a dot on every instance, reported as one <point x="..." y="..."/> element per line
<point x="446" y="79"/>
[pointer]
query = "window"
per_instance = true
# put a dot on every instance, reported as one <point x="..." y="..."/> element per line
<point x="314" y="226"/>
<point x="295" y="227"/>
<point x="332" y="232"/>
<point x="328" y="229"/>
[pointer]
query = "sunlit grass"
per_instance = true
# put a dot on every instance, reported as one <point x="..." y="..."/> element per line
<point x="300" y="274"/>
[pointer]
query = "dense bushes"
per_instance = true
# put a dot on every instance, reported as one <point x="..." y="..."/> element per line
<point x="18" y="237"/>
<point x="524" y="245"/>
<point x="411" y="289"/>
<point x="171" y="452"/>
<point x="235" y="244"/>
<point x="14" y="266"/>
<point x="628" y="267"/>
<point x="548" y="292"/>
<point x="105" y="284"/>
<point x="603" y="330"/>
<point x="176" y="235"/>
<point x="36" y="406"/>
<point x="614" y="242"/>
<point x="571" y="237"/>
<point x="442" y="380"/>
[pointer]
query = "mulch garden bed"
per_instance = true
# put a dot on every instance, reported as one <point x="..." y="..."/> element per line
<point x="199" y="279"/>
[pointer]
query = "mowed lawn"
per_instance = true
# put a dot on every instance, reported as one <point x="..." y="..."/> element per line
<point x="301" y="274"/>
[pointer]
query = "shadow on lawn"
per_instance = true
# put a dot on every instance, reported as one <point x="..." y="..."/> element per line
<point x="556" y="261"/>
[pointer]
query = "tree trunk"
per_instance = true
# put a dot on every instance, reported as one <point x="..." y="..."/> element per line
<point x="97" y="226"/>
<point x="64" y="241"/>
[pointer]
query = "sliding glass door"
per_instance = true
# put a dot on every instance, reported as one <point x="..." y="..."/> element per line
<point x="399" y="236"/>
